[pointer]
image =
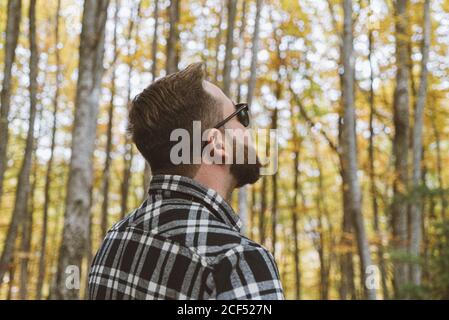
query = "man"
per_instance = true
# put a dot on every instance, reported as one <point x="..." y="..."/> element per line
<point x="184" y="241"/>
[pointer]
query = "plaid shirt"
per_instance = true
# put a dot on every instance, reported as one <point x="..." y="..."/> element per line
<point x="183" y="242"/>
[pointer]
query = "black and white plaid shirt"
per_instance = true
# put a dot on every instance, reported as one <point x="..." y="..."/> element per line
<point x="183" y="242"/>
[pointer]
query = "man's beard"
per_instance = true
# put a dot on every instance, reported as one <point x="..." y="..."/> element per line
<point x="245" y="173"/>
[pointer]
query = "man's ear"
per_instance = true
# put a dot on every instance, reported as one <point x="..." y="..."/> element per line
<point x="215" y="149"/>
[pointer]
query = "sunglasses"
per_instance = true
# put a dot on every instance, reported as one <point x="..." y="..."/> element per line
<point x="242" y="113"/>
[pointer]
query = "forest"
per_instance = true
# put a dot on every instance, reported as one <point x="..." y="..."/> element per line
<point x="357" y="91"/>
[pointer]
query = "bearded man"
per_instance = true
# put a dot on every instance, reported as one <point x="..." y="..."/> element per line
<point x="184" y="241"/>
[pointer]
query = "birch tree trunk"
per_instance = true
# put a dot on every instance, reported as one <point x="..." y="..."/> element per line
<point x="23" y="183"/>
<point x="400" y="144"/>
<point x="12" y="35"/>
<point x="416" y="207"/>
<point x="349" y="149"/>
<point x="77" y="211"/>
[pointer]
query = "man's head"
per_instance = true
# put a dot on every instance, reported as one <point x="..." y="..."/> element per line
<point x="175" y="102"/>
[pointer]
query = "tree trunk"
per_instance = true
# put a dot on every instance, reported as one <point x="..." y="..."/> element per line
<point x="274" y="126"/>
<point x="400" y="145"/>
<point x="321" y="245"/>
<point x="232" y="10"/>
<point x="77" y="212"/>
<point x="241" y="46"/>
<point x="129" y="155"/>
<point x="254" y="51"/>
<point x="23" y="184"/>
<point x="274" y="191"/>
<point x="347" y="285"/>
<point x="154" y="41"/>
<point x="243" y="192"/>
<point x="372" y="172"/>
<point x="147" y="169"/>
<point x="47" y="196"/>
<point x="263" y="208"/>
<point x="439" y="161"/>
<point x="349" y="150"/>
<point x="218" y="41"/>
<point x="252" y="215"/>
<point x="172" y="53"/>
<point x="107" y="165"/>
<point x="12" y="276"/>
<point x="27" y="228"/>
<point x="54" y="241"/>
<point x="415" y="215"/>
<point x="11" y="38"/>
<point x="127" y="161"/>
<point x="274" y="184"/>
<point x="294" y="217"/>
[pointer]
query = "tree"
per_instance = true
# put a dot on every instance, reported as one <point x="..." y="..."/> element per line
<point x="12" y="35"/>
<point x="172" y="53"/>
<point x="320" y="243"/>
<point x="77" y="211"/>
<point x="232" y="11"/>
<point x="371" y="160"/>
<point x="23" y="184"/>
<point x="416" y="206"/>
<point x="147" y="170"/>
<point x="129" y="152"/>
<point x="48" y="175"/>
<point x="254" y="51"/>
<point x="400" y="145"/>
<point x="295" y="203"/>
<point x="274" y="126"/>
<point x="243" y="192"/>
<point x="348" y="149"/>
<point x="107" y="164"/>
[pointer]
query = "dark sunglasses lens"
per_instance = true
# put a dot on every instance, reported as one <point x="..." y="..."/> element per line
<point x="243" y="117"/>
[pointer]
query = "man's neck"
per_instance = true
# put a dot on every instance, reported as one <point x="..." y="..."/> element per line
<point x="216" y="181"/>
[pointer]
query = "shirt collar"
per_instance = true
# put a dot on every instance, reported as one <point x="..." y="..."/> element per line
<point x="190" y="187"/>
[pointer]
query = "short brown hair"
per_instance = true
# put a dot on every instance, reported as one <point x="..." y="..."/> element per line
<point x="172" y="102"/>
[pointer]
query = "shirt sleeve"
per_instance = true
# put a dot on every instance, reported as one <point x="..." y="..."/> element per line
<point x="247" y="272"/>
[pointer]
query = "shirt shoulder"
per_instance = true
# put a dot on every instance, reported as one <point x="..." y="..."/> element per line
<point x="247" y="271"/>
<point x="195" y="226"/>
